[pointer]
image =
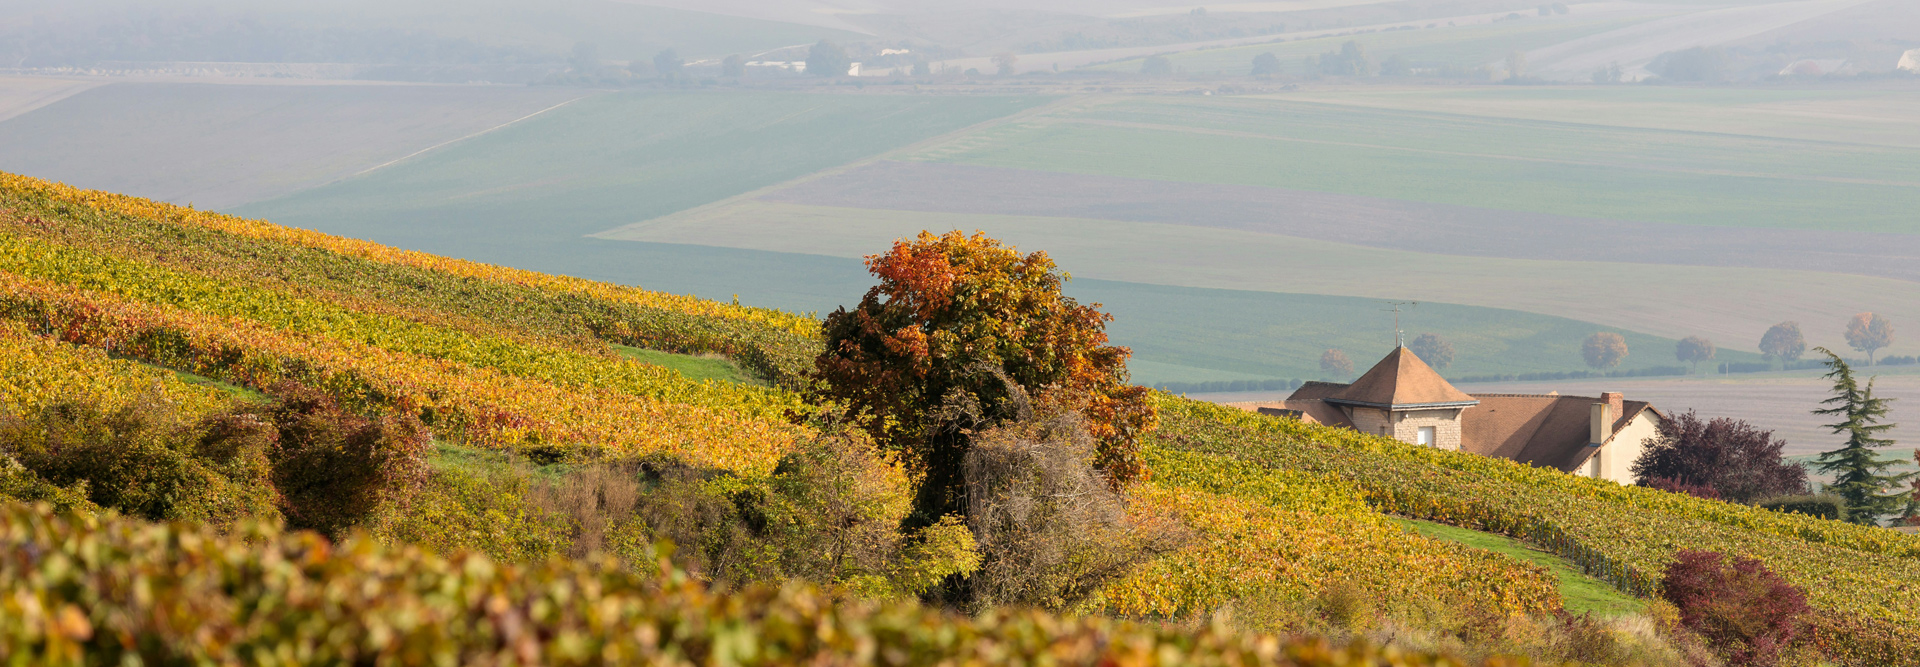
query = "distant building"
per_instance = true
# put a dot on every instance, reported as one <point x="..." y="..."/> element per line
<point x="1404" y="399"/>
<point x="1813" y="67"/>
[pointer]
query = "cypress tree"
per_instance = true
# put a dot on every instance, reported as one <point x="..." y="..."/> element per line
<point x="1859" y="477"/>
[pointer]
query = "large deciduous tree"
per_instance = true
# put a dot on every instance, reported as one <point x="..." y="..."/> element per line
<point x="1433" y="349"/>
<point x="1266" y="64"/>
<point x="1604" y="350"/>
<point x="1335" y="364"/>
<point x="1784" y="342"/>
<point x="1868" y="332"/>
<point x="1737" y="461"/>
<point x="828" y="59"/>
<point x="1693" y="350"/>
<point x="963" y="333"/>
<point x="1859" y="476"/>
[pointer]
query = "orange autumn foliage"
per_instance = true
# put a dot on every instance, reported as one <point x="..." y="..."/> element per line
<point x="949" y="311"/>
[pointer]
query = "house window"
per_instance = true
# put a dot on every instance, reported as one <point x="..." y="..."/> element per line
<point x="1426" y="436"/>
<point x="1593" y="466"/>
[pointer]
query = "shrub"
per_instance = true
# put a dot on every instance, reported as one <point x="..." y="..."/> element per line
<point x="1822" y="507"/>
<point x="143" y="459"/>
<point x="1730" y="457"/>
<point x="1745" y="611"/>
<point x="476" y="502"/>
<point x="115" y="591"/>
<point x="334" y="467"/>
<point x="1672" y="485"/>
<point x="1051" y="529"/>
<point x="830" y="513"/>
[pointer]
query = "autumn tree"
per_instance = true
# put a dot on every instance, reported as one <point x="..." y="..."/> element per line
<point x="1868" y="332"/>
<point x="668" y="62"/>
<point x="1737" y="461"/>
<point x="1434" y="350"/>
<point x="1335" y="363"/>
<point x="1784" y="342"/>
<point x="828" y="59"/>
<point x="1266" y="64"/>
<point x="1004" y="63"/>
<point x="963" y="334"/>
<point x="1693" y="350"/>
<point x="1604" y="350"/>
<point x="1859" y="476"/>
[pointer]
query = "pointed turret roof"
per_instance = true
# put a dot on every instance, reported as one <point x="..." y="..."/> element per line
<point x="1399" y="381"/>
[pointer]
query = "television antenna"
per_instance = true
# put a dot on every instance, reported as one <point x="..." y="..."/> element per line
<point x="1399" y="336"/>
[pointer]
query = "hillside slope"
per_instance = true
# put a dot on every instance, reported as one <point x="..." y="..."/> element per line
<point x="1281" y="517"/>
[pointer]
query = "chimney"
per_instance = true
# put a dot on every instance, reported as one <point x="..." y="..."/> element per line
<point x="1604" y="413"/>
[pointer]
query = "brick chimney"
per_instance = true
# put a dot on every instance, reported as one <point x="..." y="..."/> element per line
<point x="1616" y="402"/>
<point x="1611" y="406"/>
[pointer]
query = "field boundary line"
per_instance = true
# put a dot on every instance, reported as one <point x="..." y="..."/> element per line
<point x="450" y="142"/>
<point x="50" y="98"/>
<point x="1499" y="116"/>
<point x="1492" y="156"/>
<point x="617" y="232"/>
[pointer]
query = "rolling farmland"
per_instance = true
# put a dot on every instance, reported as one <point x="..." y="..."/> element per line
<point x="219" y="146"/>
<point x="528" y="193"/>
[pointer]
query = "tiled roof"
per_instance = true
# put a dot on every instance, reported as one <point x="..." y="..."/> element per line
<point x="1401" y="379"/>
<point x="1544" y="430"/>
<point x="1313" y="411"/>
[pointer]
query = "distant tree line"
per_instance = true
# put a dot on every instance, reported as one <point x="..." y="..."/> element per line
<point x="1219" y="386"/>
<point x="156" y="37"/>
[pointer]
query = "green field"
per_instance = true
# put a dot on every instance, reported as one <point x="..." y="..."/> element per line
<point x="1581" y="594"/>
<point x="1663" y="300"/>
<point x="1563" y="169"/>
<point x="1468" y="46"/>
<point x="697" y="367"/>
<point x="528" y="192"/>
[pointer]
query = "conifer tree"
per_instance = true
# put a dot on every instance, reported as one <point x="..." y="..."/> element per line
<point x="1859" y="475"/>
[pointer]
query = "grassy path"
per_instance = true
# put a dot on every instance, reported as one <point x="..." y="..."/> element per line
<point x="693" y="366"/>
<point x="1579" y="592"/>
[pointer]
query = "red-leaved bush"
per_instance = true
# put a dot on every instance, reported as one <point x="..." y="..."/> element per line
<point x="1745" y="611"/>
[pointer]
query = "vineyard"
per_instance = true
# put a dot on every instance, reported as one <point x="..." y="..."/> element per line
<point x="105" y="298"/>
<point x="261" y="596"/>
<point x="1854" y="576"/>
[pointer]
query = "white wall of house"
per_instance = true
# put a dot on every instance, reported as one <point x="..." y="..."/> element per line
<point x="1617" y="455"/>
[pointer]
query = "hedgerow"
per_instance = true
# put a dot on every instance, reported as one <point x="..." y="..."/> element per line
<point x="462" y="403"/>
<point x="774" y="344"/>
<point x="1624" y="535"/>
<point x="94" y="590"/>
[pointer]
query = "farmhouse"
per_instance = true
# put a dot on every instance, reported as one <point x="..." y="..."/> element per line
<point x="1403" y="398"/>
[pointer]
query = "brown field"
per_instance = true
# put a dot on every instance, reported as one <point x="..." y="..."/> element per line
<point x="1781" y="402"/>
<point x="21" y="94"/>
<point x="1341" y="218"/>
<point x="222" y="145"/>
<point x="1878" y="114"/>
<point x="1731" y="305"/>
